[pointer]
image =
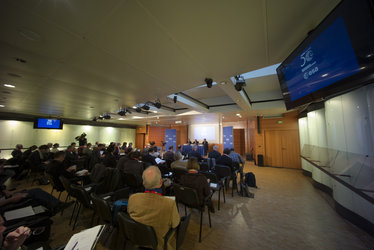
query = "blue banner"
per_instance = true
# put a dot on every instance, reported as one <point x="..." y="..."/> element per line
<point x="228" y="138"/>
<point x="170" y="138"/>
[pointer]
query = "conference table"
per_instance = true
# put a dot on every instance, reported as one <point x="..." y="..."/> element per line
<point x="188" y="148"/>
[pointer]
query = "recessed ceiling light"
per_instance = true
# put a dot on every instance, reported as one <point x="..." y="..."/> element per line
<point x="2" y="106"/>
<point x="238" y="114"/>
<point x="178" y="122"/>
<point x="121" y="119"/>
<point x="30" y="35"/>
<point x="9" y="85"/>
<point x="134" y="107"/>
<point x="223" y="83"/>
<point x="324" y="75"/>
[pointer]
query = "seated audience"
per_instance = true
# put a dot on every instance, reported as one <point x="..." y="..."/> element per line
<point x="237" y="159"/>
<point x="13" y="240"/>
<point x="97" y="155"/>
<point x="70" y="157"/>
<point x="28" y="152"/>
<point x="57" y="168"/>
<point x="169" y="155"/>
<point x="179" y="149"/>
<point x="55" y="148"/>
<point x="129" y="148"/>
<point x="152" y="209"/>
<point x="196" y="142"/>
<point x="132" y="165"/>
<point x="197" y="181"/>
<point x="179" y="162"/>
<point x="124" y="146"/>
<point x="195" y="154"/>
<point x="225" y="159"/>
<point x="188" y="141"/>
<point x="17" y="154"/>
<point x="110" y="160"/>
<point x="87" y="149"/>
<point x="214" y="153"/>
<point x="38" y="158"/>
<point x="149" y="158"/>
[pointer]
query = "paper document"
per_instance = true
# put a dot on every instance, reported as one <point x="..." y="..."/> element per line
<point x="19" y="213"/>
<point x="170" y="197"/>
<point x="213" y="185"/>
<point x="86" y="239"/>
<point x="158" y="161"/>
<point x="39" y="209"/>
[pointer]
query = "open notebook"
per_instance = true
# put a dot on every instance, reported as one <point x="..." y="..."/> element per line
<point x="86" y="239"/>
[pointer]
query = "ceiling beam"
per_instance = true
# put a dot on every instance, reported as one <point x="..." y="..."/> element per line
<point x="190" y="101"/>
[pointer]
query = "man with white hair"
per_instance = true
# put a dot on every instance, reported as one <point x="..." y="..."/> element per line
<point x="214" y="153"/>
<point x="152" y="209"/>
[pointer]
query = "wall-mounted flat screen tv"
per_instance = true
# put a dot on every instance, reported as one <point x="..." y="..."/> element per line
<point x="336" y="57"/>
<point x="44" y="123"/>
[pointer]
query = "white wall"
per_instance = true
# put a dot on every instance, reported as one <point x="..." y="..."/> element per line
<point x="14" y="132"/>
<point x="346" y="125"/>
<point x="216" y="126"/>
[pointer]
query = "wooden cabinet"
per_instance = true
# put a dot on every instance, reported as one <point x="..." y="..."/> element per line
<point x="282" y="148"/>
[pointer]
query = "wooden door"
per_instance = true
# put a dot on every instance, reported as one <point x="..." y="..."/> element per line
<point x="290" y="149"/>
<point x="282" y="148"/>
<point x="273" y="149"/>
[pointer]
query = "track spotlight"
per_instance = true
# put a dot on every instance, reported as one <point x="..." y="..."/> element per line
<point x="239" y="82"/>
<point x="157" y="104"/>
<point x="209" y="82"/>
<point x="122" y="112"/>
<point x="145" y="107"/>
<point x="100" y="117"/>
<point x="94" y="119"/>
<point x="138" y="109"/>
<point x="106" y="116"/>
<point x="175" y="99"/>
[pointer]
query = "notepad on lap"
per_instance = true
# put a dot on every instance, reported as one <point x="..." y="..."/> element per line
<point x="86" y="239"/>
<point x="19" y="213"/>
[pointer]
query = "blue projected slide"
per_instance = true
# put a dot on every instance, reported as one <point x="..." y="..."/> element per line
<point x="48" y="123"/>
<point x="328" y="59"/>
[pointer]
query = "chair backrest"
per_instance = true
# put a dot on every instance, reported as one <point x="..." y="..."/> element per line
<point x="131" y="180"/>
<point x="81" y="195"/>
<point x="211" y="176"/>
<point x="211" y="163"/>
<point x="222" y="171"/>
<point x="178" y="172"/>
<point x="66" y="183"/>
<point x="204" y="166"/>
<point x="137" y="233"/>
<point x="187" y="196"/>
<point x="98" y="173"/>
<point x="102" y="208"/>
<point x="118" y="180"/>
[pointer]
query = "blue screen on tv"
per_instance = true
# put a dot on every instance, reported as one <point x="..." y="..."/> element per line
<point x="48" y="123"/>
<point x="328" y="59"/>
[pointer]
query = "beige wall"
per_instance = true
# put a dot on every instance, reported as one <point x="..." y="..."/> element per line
<point x="14" y="132"/>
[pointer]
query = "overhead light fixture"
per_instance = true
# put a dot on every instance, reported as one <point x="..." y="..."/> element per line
<point x="157" y="104"/>
<point x="138" y="109"/>
<point x="100" y="117"/>
<point x="239" y="82"/>
<point x="178" y="122"/>
<point x="175" y="99"/>
<point x="94" y="119"/>
<point x="145" y="107"/>
<point x="122" y="112"/>
<point x="106" y="116"/>
<point x="121" y="119"/>
<point x="9" y="85"/>
<point x="209" y="82"/>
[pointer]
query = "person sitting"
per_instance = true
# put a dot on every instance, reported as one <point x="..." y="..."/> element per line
<point x="70" y="157"/>
<point x="110" y="160"/>
<point x="28" y="152"/>
<point x="55" y="148"/>
<point x="188" y="141"/>
<point x="152" y="209"/>
<point x="149" y="158"/>
<point x="17" y="154"/>
<point x="38" y="158"/>
<point x="87" y="151"/>
<point x="179" y="162"/>
<point x="196" y="142"/>
<point x="132" y="165"/>
<point x="13" y="240"/>
<point x="197" y="181"/>
<point x="195" y="154"/>
<point x="179" y="149"/>
<point x="214" y="153"/>
<point x="57" y="168"/>
<point x="169" y="155"/>
<point x="124" y="146"/>
<point x="225" y="159"/>
<point x="129" y="148"/>
<point x="237" y="159"/>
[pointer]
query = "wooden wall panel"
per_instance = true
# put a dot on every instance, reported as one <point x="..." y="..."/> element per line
<point x="239" y="141"/>
<point x="287" y="123"/>
<point x="156" y="134"/>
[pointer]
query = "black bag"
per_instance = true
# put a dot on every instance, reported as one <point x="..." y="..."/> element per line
<point x="43" y="180"/>
<point x="250" y="180"/>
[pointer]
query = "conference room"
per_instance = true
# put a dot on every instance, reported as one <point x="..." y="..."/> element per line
<point x="286" y="85"/>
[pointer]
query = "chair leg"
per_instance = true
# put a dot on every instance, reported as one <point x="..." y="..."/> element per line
<point x="93" y="216"/>
<point x="76" y="217"/>
<point x="224" y="197"/>
<point x="72" y="214"/>
<point x="210" y="223"/>
<point x="219" y="198"/>
<point x="59" y="196"/>
<point x="201" y="223"/>
<point x="185" y="210"/>
<point x="52" y="190"/>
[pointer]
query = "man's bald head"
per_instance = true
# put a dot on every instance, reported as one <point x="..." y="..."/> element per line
<point x="152" y="178"/>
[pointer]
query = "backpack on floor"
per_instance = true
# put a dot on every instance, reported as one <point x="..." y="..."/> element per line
<point x="244" y="192"/>
<point x="250" y="180"/>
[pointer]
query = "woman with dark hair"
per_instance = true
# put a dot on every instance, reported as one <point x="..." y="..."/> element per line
<point x="193" y="179"/>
